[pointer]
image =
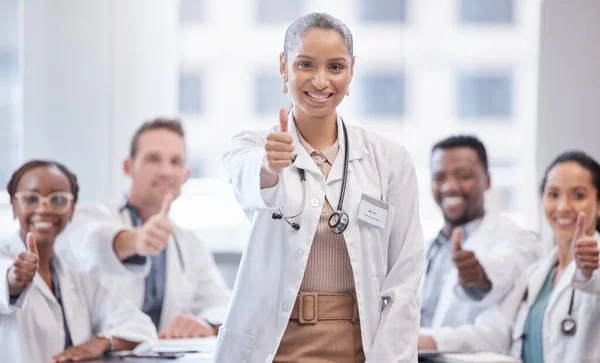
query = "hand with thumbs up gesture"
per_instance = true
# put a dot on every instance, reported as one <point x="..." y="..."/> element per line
<point x="585" y="249"/>
<point x="24" y="268"/>
<point x="279" y="146"/>
<point x="470" y="271"/>
<point x="153" y="236"/>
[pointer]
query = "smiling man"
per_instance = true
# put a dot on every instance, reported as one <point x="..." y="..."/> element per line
<point x="477" y="256"/>
<point x="135" y="250"/>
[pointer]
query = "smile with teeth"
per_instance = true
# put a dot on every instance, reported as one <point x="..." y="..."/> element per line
<point x="319" y="96"/>
<point x="452" y="201"/>
<point x="42" y="225"/>
<point x="565" y="221"/>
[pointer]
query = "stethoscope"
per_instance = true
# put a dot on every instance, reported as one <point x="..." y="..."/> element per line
<point x="136" y="221"/>
<point x="568" y="326"/>
<point x="338" y="221"/>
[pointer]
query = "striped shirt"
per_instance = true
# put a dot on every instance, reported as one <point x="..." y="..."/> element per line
<point x="328" y="269"/>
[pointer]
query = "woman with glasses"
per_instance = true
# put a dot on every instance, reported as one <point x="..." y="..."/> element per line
<point x="47" y="311"/>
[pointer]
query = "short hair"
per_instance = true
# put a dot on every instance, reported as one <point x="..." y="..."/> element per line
<point x="468" y="141"/>
<point x="295" y="32"/>
<point x="159" y="123"/>
<point x="11" y="187"/>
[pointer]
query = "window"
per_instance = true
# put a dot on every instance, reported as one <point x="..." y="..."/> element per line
<point x="486" y="11"/>
<point x="485" y="95"/>
<point x="190" y="93"/>
<point x="382" y="95"/>
<point x="268" y="96"/>
<point x="383" y="11"/>
<point x="406" y="88"/>
<point x="278" y="11"/>
<point x="191" y="11"/>
<point x="10" y="105"/>
<point x="196" y="168"/>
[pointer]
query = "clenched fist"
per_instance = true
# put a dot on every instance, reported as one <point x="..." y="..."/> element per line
<point x="24" y="268"/>
<point x="470" y="271"/>
<point x="153" y="236"/>
<point x="279" y="146"/>
<point x="585" y="249"/>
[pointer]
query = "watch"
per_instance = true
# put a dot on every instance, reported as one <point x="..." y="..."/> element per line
<point x="109" y="338"/>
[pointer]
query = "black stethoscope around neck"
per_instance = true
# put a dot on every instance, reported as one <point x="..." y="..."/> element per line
<point x="568" y="325"/>
<point x="338" y="221"/>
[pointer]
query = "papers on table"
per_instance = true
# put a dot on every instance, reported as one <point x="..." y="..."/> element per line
<point x="196" y="345"/>
<point x="482" y="357"/>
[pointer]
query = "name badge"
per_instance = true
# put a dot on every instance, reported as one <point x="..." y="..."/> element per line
<point x="372" y="211"/>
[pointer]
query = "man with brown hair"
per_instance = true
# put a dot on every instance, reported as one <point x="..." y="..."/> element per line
<point x="136" y="250"/>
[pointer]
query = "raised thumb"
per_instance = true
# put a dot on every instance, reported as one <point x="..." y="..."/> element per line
<point x="283" y="120"/>
<point x="31" y="244"/>
<point x="456" y="239"/>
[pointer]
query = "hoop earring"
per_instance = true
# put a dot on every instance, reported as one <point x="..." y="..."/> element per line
<point x="284" y="90"/>
<point x="348" y="91"/>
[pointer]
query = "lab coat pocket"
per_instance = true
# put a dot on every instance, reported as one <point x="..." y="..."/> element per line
<point x="234" y="347"/>
<point x="377" y="240"/>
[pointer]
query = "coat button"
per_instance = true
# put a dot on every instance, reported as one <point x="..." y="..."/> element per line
<point x="314" y="202"/>
<point x="299" y="253"/>
<point x="285" y="308"/>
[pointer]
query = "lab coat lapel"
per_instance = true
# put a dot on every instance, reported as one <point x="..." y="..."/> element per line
<point x="446" y="300"/>
<point x="75" y="309"/>
<point x="539" y="276"/>
<point x="356" y="150"/>
<point x="563" y="286"/>
<point x="176" y="284"/>
<point x="303" y="160"/>
<point x="477" y="239"/>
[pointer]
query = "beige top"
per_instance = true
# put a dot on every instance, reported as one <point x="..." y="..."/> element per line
<point x="328" y="269"/>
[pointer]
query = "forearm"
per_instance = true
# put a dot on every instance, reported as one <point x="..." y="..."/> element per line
<point x="268" y="179"/>
<point x="122" y="344"/>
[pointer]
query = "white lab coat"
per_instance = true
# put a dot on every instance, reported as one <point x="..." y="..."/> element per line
<point x="387" y="263"/>
<point x="193" y="285"/>
<point x="32" y="331"/>
<point x="500" y="328"/>
<point x="505" y="251"/>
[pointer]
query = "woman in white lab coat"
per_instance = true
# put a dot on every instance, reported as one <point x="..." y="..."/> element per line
<point x="309" y="289"/>
<point x="47" y="311"/>
<point x="552" y="314"/>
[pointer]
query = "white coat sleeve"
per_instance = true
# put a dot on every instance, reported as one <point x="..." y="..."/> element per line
<point x="492" y="330"/>
<point x="243" y="163"/>
<point x="591" y="285"/>
<point x="113" y="316"/>
<point x="88" y="242"/>
<point x="398" y="331"/>
<point x="505" y="264"/>
<point x="211" y="295"/>
<point x="6" y="306"/>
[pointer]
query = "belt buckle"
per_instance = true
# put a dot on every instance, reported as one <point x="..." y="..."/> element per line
<point x="307" y="298"/>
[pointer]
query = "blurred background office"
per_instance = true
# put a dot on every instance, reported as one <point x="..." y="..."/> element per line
<point x="77" y="77"/>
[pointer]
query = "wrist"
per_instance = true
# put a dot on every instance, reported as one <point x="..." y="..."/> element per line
<point x="14" y="289"/>
<point x="106" y="342"/>
<point x="268" y="177"/>
<point x="124" y="244"/>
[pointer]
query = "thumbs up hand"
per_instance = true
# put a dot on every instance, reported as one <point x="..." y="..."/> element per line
<point x="153" y="236"/>
<point x="585" y="249"/>
<point x="24" y="268"/>
<point x="470" y="271"/>
<point x="279" y="146"/>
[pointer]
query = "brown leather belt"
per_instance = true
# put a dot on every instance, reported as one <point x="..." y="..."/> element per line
<point x="311" y="307"/>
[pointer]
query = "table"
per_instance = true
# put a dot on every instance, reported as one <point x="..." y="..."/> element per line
<point x="188" y="358"/>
